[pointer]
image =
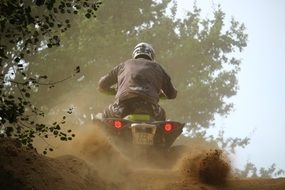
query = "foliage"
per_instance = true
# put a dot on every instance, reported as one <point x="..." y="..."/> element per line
<point x="229" y="144"/>
<point x="250" y="170"/>
<point x="28" y="27"/>
<point x="199" y="54"/>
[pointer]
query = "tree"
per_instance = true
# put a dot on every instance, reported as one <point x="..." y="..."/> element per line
<point x="250" y="170"/>
<point x="28" y="27"/>
<point x="200" y="54"/>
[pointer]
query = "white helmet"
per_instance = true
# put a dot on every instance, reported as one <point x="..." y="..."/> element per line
<point x="143" y="49"/>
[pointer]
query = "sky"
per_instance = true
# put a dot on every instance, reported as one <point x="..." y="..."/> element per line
<point x="260" y="102"/>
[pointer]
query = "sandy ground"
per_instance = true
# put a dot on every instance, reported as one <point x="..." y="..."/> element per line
<point x="92" y="162"/>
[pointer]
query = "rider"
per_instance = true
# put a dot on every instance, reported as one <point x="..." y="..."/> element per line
<point x="140" y="82"/>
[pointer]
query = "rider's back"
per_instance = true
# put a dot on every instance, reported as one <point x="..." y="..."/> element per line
<point x="143" y="78"/>
<point x="140" y="83"/>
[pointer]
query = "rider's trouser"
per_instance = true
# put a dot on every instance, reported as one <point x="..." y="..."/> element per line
<point x="134" y="106"/>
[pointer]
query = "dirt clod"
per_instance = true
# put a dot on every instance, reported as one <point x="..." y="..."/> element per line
<point x="209" y="167"/>
<point x="213" y="169"/>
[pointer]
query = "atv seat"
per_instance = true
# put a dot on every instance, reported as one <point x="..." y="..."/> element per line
<point x="138" y="117"/>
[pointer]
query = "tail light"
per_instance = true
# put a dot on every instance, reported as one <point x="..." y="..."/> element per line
<point x="118" y="124"/>
<point x="168" y="127"/>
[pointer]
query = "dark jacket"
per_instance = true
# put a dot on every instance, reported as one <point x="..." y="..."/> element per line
<point x="138" y="78"/>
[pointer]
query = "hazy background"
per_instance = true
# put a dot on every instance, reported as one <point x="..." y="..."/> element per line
<point x="259" y="104"/>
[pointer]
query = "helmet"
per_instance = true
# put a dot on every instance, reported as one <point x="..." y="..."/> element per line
<point x="143" y="50"/>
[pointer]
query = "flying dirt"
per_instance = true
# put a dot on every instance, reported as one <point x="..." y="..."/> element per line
<point x="92" y="162"/>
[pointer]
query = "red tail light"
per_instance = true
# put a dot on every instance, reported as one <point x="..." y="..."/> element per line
<point x="168" y="127"/>
<point x="118" y="124"/>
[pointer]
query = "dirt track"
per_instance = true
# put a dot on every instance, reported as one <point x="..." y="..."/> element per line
<point x="167" y="180"/>
<point x="102" y="166"/>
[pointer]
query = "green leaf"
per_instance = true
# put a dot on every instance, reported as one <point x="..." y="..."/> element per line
<point x="88" y="15"/>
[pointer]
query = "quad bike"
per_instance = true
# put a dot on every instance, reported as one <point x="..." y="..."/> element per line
<point x="141" y="130"/>
<point x="140" y="136"/>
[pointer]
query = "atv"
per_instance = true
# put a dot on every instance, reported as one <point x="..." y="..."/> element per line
<point x="141" y="134"/>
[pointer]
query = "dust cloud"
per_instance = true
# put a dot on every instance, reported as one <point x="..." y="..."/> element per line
<point x="194" y="162"/>
<point x="106" y="168"/>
